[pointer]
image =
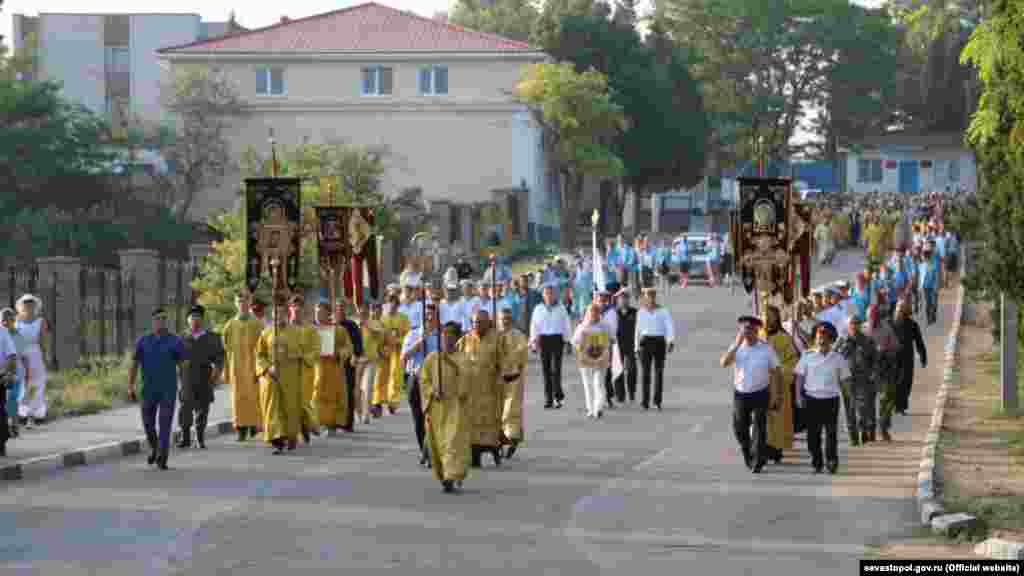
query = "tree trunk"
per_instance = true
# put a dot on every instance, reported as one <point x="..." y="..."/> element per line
<point x="572" y="191"/>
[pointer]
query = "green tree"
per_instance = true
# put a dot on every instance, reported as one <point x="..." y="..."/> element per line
<point x="359" y="169"/>
<point x="508" y="18"/>
<point x="580" y="120"/>
<point x="996" y="50"/>
<point x="204" y="104"/>
<point x="764" y="63"/>
<point x="665" y="143"/>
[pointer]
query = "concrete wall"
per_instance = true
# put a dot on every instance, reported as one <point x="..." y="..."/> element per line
<point x="935" y="178"/>
<point x="149" y="33"/>
<point x="457" y="147"/>
<point x="71" y="51"/>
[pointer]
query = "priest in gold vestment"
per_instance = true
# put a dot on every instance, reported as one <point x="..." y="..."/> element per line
<point x="241" y="334"/>
<point x="298" y="317"/>
<point x="280" y="354"/>
<point x="329" y="376"/>
<point x="780" y="410"/>
<point x="514" y="355"/>
<point x="387" y="387"/>
<point x="485" y="403"/>
<point x="445" y="389"/>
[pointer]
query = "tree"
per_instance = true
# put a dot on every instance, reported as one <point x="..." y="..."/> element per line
<point x="580" y="119"/>
<point x="665" y="143"/>
<point x="996" y="51"/>
<point x="204" y="103"/>
<point x="49" y="145"/>
<point x="764" y="62"/>
<point x="508" y="18"/>
<point x="547" y="26"/>
<point x="360" y="170"/>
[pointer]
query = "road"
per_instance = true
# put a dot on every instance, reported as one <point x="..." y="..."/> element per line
<point x="637" y="492"/>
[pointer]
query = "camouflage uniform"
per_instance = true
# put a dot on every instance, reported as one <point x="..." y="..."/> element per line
<point x="860" y="391"/>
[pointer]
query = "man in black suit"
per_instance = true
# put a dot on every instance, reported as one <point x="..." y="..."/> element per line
<point x="204" y="362"/>
<point x="627" y="347"/>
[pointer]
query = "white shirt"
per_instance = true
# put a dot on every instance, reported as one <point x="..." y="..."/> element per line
<point x="451" y="312"/>
<point x="836" y="316"/>
<point x="822" y="374"/>
<point x="753" y="366"/>
<point x="655" y="323"/>
<point x="550" y="321"/>
<point x="414" y="312"/>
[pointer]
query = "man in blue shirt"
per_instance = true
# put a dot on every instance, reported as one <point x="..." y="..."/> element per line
<point x="928" y="277"/>
<point x="415" y="348"/>
<point x="158" y="354"/>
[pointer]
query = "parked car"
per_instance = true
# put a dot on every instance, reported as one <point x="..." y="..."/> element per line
<point x="698" y="250"/>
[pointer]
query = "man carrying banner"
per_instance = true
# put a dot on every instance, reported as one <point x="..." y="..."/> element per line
<point x="279" y="360"/>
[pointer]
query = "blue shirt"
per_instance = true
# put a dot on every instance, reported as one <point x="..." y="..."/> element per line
<point x="415" y="360"/>
<point x="927" y="274"/>
<point x="158" y="356"/>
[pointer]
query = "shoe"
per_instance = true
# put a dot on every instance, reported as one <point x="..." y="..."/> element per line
<point x="548" y="406"/>
<point x="201" y="440"/>
<point x="885" y="436"/>
<point x="599" y="414"/>
<point x="161" y="463"/>
<point x="658" y="406"/>
<point x="777" y="458"/>
<point x="152" y="458"/>
<point x="558" y="404"/>
<point x="496" y="454"/>
<point x="292" y="444"/>
<point x="186" y="439"/>
<point x="447" y="486"/>
<point x="392" y="410"/>
<point x="833" y="467"/>
<point x="854" y="439"/>
<point x="511" y="449"/>
<point x="758" y="466"/>
<point x="868" y="436"/>
<point x="242" y="433"/>
<point x="14" y="431"/>
<point x="818" y="468"/>
<point x="645" y="407"/>
<point x="305" y="437"/>
<point x="37" y="422"/>
<point x="748" y="461"/>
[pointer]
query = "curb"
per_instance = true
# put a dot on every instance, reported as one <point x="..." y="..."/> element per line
<point x="929" y="478"/>
<point x="43" y="465"/>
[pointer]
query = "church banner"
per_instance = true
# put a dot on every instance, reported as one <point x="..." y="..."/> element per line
<point x="764" y="215"/>
<point x="273" y="220"/>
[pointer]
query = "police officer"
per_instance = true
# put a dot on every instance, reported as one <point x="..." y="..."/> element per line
<point x="860" y="392"/>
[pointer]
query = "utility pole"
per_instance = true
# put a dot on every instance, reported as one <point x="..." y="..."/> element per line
<point x="1008" y="359"/>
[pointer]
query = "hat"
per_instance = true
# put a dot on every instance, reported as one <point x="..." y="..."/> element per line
<point x="613" y="287"/>
<point x="465" y="282"/>
<point x="7" y="312"/>
<point x="30" y="298"/>
<point x="452" y="286"/>
<point x="828" y="328"/>
<point x="159" y="313"/>
<point x="843" y="284"/>
<point x="747" y="319"/>
<point x="197" y="310"/>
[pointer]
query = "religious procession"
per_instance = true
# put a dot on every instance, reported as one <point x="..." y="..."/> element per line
<point x="796" y="359"/>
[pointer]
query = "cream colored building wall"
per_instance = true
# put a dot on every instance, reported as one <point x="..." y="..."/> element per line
<point x="457" y="146"/>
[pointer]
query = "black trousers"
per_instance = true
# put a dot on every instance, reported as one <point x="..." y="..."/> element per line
<point x="193" y="413"/>
<point x="416" y="408"/>
<point x="822" y="414"/>
<point x="626" y="382"/>
<point x="551" y="349"/>
<point x="652" y="353"/>
<point x="751" y="408"/>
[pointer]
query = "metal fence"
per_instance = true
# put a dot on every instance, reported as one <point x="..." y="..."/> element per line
<point x="108" y="311"/>
<point x="18" y="280"/>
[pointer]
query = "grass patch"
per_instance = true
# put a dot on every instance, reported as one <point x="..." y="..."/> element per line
<point x="97" y="384"/>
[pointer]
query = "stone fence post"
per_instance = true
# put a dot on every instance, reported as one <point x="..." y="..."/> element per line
<point x="143" y="265"/>
<point x="67" y="310"/>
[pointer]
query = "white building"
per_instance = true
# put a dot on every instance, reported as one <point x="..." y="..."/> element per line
<point x="911" y="163"/>
<point x="108" y="62"/>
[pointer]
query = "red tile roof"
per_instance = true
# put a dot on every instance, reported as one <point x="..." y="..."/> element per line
<point x="368" y="27"/>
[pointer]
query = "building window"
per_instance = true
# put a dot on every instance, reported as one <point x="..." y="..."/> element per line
<point x="377" y="81"/>
<point x="869" y="170"/>
<point x="433" y="80"/>
<point x="270" y="81"/>
<point x="954" y="170"/>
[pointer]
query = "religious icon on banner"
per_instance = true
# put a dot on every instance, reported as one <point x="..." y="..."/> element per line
<point x="358" y="231"/>
<point x="331" y="237"/>
<point x="273" y="224"/>
<point x="763" y="249"/>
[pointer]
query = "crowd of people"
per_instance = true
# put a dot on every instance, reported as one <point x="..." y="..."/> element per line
<point x="847" y="346"/>
<point x="23" y="379"/>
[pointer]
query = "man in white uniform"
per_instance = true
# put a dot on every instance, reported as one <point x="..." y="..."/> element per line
<point x="756" y="366"/>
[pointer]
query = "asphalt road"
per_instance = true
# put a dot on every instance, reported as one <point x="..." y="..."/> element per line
<point x="642" y="493"/>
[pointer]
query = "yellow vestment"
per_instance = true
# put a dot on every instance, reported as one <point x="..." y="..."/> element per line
<point x="329" y="380"/>
<point x="387" y="387"/>
<point x="514" y="356"/>
<point x="240" y="339"/>
<point x="281" y="410"/>
<point x="780" y="421"/>
<point x="444" y="407"/>
<point x="485" y="399"/>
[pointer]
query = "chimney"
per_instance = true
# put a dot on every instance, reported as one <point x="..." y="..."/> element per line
<point x="285" y="19"/>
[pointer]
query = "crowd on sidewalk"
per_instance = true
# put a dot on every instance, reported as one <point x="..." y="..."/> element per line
<point x="23" y="380"/>
<point x="845" y="347"/>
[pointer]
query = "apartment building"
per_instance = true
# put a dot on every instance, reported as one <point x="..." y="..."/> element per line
<point x="108" y="62"/>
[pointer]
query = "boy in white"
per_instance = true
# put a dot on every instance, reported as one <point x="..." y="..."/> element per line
<point x="819" y="375"/>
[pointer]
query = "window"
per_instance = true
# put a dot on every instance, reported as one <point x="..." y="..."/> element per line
<point x="954" y="170"/>
<point x="433" y="80"/>
<point x="377" y="81"/>
<point x="869" y="170"/>
<point x="270" y="81"/>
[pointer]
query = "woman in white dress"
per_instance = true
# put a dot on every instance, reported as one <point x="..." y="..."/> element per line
<point x="33" y="330"/>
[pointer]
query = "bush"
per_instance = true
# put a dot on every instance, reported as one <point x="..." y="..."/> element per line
<point x="95" y="385"/>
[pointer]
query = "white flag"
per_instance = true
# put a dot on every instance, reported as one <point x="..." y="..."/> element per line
<point x="600" y="281"/>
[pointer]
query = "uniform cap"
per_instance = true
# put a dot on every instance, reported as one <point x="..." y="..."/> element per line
<point x="197" y="310"/>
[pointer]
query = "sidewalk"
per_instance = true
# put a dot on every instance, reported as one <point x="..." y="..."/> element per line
<point x="86" y="439"/>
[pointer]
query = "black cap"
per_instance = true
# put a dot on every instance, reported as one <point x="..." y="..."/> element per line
<point x="828" y="327"/>
<point x="750" y="320"/>
<point x="197" y="310"/>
